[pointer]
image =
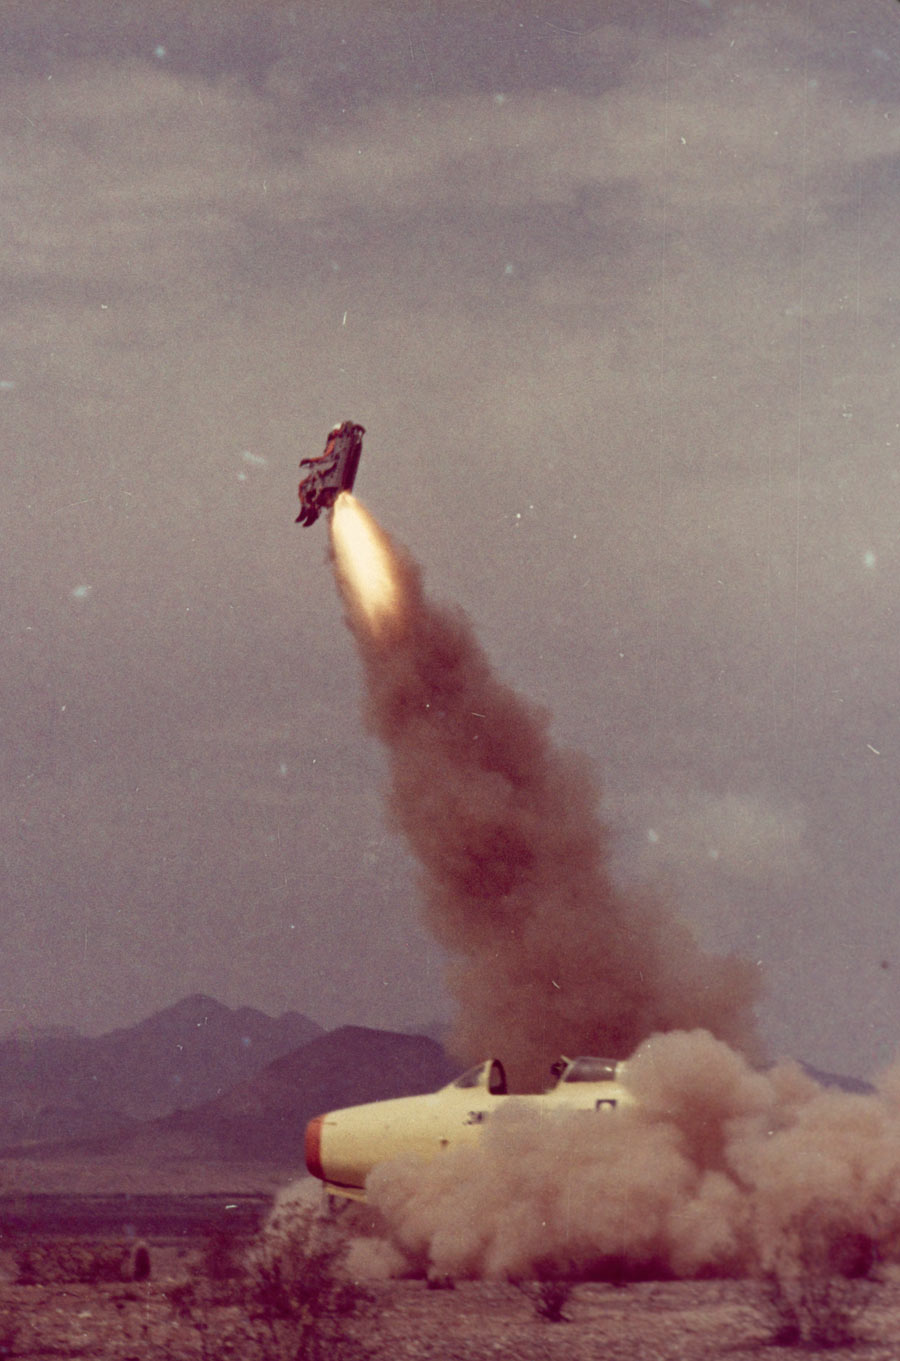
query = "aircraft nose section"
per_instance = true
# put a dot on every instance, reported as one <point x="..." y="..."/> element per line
<point x="313" y="1148"/>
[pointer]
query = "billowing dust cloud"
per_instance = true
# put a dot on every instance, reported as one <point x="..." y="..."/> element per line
<point x="548" y="955"/>
<point x="718" y="1169"/>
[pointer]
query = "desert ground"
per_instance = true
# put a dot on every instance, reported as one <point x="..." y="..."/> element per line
<point x="68" y="1289"/>
<point x="672" y="1321"/>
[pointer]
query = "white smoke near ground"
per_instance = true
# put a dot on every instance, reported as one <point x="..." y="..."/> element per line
<point x="717" y="1170"/>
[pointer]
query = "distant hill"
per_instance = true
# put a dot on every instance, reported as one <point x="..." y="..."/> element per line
<point x="846" y="1084"/>
<point x="200" y="1085"/>
<point x="264" y="1118"/>
<point x="68" y="1085"/>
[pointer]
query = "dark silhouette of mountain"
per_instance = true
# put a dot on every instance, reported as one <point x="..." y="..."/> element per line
<point x="846" y="1084"/>
<point x="28" y="1034"/>
<point x="201" y="1083"/>
<point x="54" y="1085"/>
<point x="264" y="1118"/>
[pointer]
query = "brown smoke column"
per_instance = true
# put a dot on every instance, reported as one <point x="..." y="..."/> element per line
<point x="548" y="955"/>
<point x="717" y="1168"/>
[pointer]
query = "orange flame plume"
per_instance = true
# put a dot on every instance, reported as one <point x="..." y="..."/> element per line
<point x="364" y="561"/>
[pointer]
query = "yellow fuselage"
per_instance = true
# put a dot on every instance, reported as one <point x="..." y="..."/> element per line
<point x="343" y="1146"/>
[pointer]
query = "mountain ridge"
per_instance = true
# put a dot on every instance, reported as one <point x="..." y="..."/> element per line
<point x="200" y="1084"/>
<point x="180" y="1056"/>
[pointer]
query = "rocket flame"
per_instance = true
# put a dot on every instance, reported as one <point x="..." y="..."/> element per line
<point x="363" y="561"/>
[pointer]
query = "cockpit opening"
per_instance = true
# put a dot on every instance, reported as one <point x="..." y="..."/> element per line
<point x="586" y="1069"/>
<point x="490" y="1075"/>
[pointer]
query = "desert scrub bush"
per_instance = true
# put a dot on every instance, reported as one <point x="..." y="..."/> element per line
<point x="189" y="1304"/>
<point x="222" y="1258"/>
<point x="139" y="1264"/>
<point x="549" y="1297"/>
<point x="53" y="1263"/>
<point x="297" y="1288"/>
<point x="818" y="1279"/>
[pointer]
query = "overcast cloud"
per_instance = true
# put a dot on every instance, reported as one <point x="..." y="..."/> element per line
<point x="614" y="288"/>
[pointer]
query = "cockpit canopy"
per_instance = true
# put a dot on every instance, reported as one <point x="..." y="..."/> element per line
<point x="585" y="1069"/>
<point x="490" y="1075"/>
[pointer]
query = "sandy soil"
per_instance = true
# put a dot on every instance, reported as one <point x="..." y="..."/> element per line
<point x="106" y="1175"/>
<point x="641" y="1322"/>
<point x="184" y="1311"/>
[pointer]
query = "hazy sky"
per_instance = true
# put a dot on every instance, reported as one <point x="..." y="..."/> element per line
<point x="615" y="288"/>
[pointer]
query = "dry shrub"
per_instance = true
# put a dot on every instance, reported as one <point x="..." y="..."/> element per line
<point x="139" y="1265"/>
<point x="222" y="1254"/>
<point x="297" y="1287"/>
<point x="53" y="1263"/>
<point x="191" y="1305"/>
<point x="549" y="1297"/>
<point x="818" y="1280"/>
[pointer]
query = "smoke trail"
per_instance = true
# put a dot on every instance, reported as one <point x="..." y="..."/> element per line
<point x="717" y="1168"/>
<point x="548" y="955"/>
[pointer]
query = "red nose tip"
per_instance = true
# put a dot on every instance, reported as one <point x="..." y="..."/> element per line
<point x="313" y="1144"/>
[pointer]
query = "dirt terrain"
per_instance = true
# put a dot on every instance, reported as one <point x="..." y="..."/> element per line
<point x="674" y="1321"/>
<point x="65" y="1292"/>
